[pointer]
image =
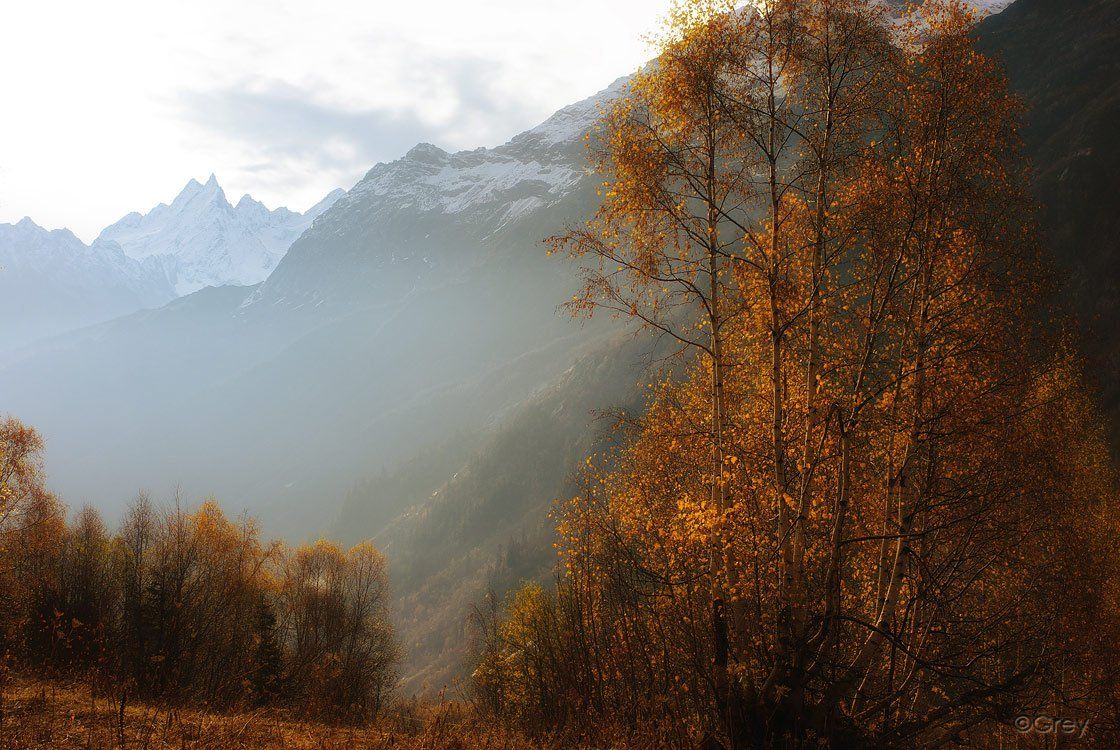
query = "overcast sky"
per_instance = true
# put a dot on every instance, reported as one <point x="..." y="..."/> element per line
<point x="110" y="107"/>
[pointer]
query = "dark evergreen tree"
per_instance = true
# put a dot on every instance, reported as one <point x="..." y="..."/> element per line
<point x="268" y="663"/>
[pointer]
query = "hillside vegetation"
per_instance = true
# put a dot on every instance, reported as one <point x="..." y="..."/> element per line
<point x="874" y="513"/>
<point x="187" y="608"/>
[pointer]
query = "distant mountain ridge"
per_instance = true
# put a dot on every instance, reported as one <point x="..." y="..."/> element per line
<point x="51" y="281"/>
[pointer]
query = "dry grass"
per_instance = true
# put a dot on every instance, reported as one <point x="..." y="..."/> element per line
<point x="42" y="714"/>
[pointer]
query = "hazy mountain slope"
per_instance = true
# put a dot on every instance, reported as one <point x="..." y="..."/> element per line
<point x="1062" y="58"/>
<point x="200" y="239"/>
<point x="420" y="304"/>
<point x="486" y="527"/>
<point x="50" y="281"/>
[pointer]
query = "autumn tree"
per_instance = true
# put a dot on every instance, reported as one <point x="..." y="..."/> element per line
<point x="829" y="208"/>
<point x="75" y="606"/>
<point x="678" y="168"/>
<point x="335" y="625"/>
<point x="31" y="528"/>
<point x="187" y="607"/>
<point x="268" y="662"/>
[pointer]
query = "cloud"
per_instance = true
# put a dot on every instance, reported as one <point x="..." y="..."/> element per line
<point x="283" y="132"/>
<point x="283" y="121"/>
<point x="284" y="99"/>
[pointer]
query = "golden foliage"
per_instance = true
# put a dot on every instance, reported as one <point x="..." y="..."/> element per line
<point x="187" y="607"/>
<point x="863" y="515"/>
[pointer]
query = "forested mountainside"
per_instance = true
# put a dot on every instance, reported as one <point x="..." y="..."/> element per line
<point x="1070" y="94"/>
<point x="1070" y="97"/>
<point x="1061" y="59"/>
<point x="473" y="515"/>
<point x="874" y="513"/>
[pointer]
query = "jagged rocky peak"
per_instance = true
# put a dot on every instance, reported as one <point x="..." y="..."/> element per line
<point x="200" y="239"/>
<point x="195" y="190"/>
<point x="427" y="153"/>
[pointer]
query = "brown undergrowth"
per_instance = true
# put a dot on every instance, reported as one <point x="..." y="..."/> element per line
<point x="38" y="713"/>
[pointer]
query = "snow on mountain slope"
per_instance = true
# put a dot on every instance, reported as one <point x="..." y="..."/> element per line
<point x="431" y="179"/>
<point x="534" y="169"/>
<point x="50" y="281"/>
<point x="200" y="239"/>
<point x="430" y="215"/>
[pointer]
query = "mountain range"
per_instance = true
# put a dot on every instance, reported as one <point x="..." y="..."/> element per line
<point x="419" y="308"/>
<point x="424" y="281"/>
<point x="402" y="372"/>
<point x="51" y="282"/>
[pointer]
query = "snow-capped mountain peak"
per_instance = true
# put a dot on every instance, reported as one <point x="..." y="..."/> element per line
<point x="200" y="239"/>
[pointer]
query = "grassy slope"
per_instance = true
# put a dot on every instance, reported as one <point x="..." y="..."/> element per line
<point x="36" y="713"/>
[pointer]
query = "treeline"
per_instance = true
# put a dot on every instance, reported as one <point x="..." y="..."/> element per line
<point x="878" y="510"/>
<point x="186" y="607"/>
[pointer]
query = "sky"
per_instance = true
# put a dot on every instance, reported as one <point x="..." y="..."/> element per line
<point x="111" y="107"/>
